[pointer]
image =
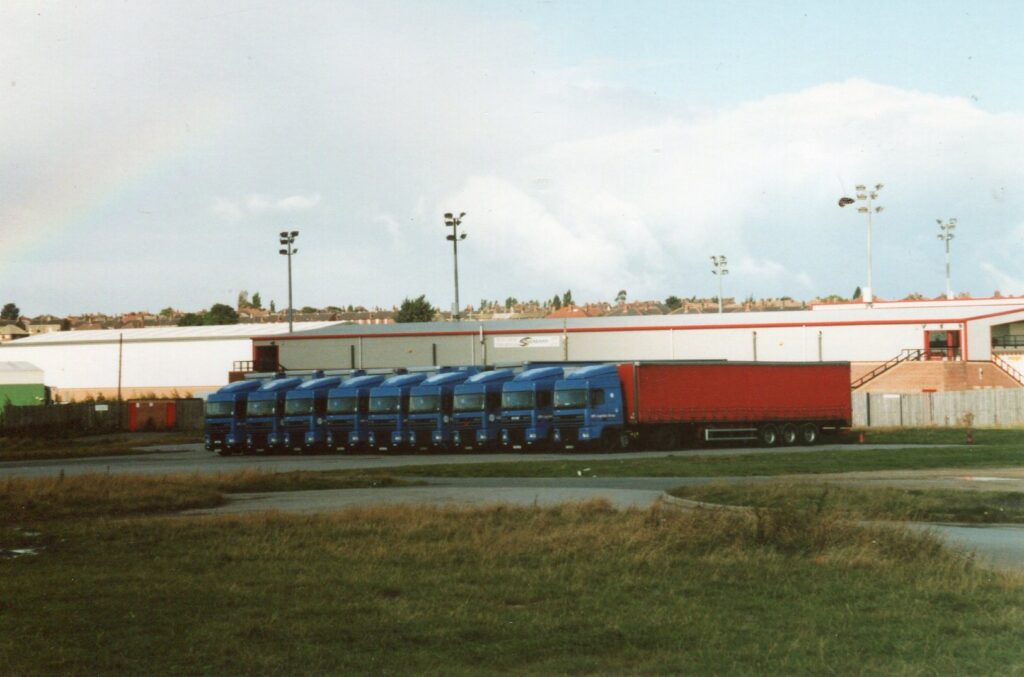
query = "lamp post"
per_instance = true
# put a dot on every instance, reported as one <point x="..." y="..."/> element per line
<point x="946" y="234"/>
<point x="287" y="241"/>
<point x="720" y="270"/>
<point x="453" y="222"/>
<point x="868" y="197"/>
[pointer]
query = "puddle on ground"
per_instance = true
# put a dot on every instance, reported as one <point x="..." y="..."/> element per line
<point x="11" y="553"/>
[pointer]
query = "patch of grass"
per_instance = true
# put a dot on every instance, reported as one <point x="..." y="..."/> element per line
<point x="883" y="503"/>
<point x="29" y="501"/>
<point x="741" y="465"/>
<point x="18" y="448"/>
<point x="572" y="589"/>
<point x="985" y="436"/>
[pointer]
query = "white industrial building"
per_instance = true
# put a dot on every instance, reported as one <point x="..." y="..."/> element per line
<point x="944" y="345"/>
<point x="161" y="361"/>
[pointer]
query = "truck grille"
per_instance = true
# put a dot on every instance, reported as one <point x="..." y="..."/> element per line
<point x="467" y="423"/>
<point x="380" y="426"/>
<point x="340" y="426"/>
<point x="522" y="422"/>
<point x="294" y="425"/>
<point x="569" y="419"/>
<point x="218" y="428"/>
<point x="259" y="427"/>
<point x="423" y="424"/>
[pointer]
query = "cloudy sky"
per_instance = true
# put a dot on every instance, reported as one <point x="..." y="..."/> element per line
<point x="151" y="152"/>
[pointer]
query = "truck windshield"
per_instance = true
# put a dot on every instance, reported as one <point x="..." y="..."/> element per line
<point x="424" y="403"/>
<point x="383" y="405"/>
<point x="517" y="400"/>
<point x="260" y="408"/>
<point x="342" y="405"/>
<point x="470" y="402"/>
<point x="570" y="399"/>
<point x="219" y="408"/>
<point x="297" y="406"/>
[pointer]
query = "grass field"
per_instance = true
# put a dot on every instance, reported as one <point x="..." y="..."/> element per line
<point x="930" y="505"/>
<point x="90" y="496"/>
<point x="850" y="459"/>
<point x="17" y="448"/>
<point x="576" y="589"/>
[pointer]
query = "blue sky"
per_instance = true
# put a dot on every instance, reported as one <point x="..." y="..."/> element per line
<point x="153" y="152"/>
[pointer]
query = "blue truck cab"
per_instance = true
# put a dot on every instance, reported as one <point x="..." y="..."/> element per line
<point x="527" y="407"/>
<point x="264" y="412"/>
<point x="477" y="408"/>
<point x="347" y="408"/>
<point x="430" y="408"/>
<point x="304" y="410"/>
<point x="589" y="408"/>
<point x="225" y="416"/>
<point x="389" y="409"/>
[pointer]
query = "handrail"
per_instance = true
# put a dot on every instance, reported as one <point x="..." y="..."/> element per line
<point x="1010" y="370"/>
<point x="906" y="355"/>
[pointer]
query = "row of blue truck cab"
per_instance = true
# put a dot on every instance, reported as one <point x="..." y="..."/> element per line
<point x="444" y="408"/>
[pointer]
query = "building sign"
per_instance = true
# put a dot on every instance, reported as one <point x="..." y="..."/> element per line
<point x="544" y="341"/>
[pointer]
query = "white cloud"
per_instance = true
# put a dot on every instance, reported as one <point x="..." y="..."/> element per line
<point x="296" y="203"/>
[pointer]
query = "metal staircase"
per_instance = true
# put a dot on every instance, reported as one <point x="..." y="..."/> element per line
<point x="1010" y="370"/>
<point x="906" y="355"/>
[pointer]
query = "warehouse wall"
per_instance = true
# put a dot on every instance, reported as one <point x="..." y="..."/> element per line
<point x="989" y="407"/>
<point x="188" y="366"/>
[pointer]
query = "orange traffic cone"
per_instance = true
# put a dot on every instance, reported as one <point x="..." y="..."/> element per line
<point x="970" y="436"/>
<point x="860" y="438"/>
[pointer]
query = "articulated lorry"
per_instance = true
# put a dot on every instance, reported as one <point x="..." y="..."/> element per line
<point x="430" y="408"/>
<point x="527" y="407"/>
<point x="225" y="417"/>
<point x="661" y="405"/>
<point x="348" y="406"/>
<point x="477" y="410"/>
<point x="303" y="425"/>
<point x="264" y="412"/>
<point x="387" y="422"/>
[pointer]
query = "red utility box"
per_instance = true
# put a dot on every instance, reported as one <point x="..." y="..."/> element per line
<point x="145" y="415"/>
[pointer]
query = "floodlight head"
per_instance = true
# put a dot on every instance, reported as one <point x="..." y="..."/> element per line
<point x="448" y="215"/>
<point x="295" y="233"/>
<point x="879" y="208"/>
<point x="862" y="196"/>
<point x="463" y="236"/>
<point x="283" y="241"/>
<point x="450" y="238"/>
<point x="879" y="186"/>
<point x="860" y="188"/>
<point x="873" y="195"/>
<point x="952" y="223"/>
<point x="284" y="234"/>
<point x="462" y="214"/>
<point x="843" y="201"/>
<point x="862" y="210"/>
<point x="938" y="221"/>
<point x="295" y="251"/>
<point x="283" y="251"/>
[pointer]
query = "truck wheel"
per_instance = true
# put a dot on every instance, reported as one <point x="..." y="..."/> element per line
<point x="613" y="441"/>
<point x="789" y="434"/>
<point x="809" y="434"/>
<point x="768" y="434"/>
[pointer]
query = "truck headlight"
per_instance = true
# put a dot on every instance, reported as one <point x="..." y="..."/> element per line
<point x="446" y="419"/>
<point x="491" y="418"/>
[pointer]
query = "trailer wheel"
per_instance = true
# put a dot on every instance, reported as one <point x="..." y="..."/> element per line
<point x="809" y="434"/>
<point x="666" y="438"/>
<point x="768" y="434"/>
<point x="789" y="434"/>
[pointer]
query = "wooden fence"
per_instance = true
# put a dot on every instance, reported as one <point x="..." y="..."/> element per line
<point x="991" y="407"/>
<point x="90" y="417"/>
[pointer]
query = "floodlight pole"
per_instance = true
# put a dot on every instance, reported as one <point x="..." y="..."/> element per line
<point x="453" y="222"/>
<point x="868" y="197"/>
<point x="287" y="239"/>
<point x="946" y="234"/>
<point x="720" y="271"/>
